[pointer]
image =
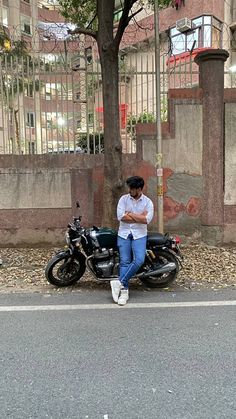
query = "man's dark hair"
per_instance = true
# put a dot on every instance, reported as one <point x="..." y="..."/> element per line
<point x="135" y="182"/>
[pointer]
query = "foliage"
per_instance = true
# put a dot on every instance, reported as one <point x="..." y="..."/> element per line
<point x="80" y="12"/>
<point x="11" y="48"/>
<point x="144" y="117"/>
<point x="83" y="12"/>
<point x="96" y="143"/>
<point x="15" y="71"/>
<point x="162" y="3"/>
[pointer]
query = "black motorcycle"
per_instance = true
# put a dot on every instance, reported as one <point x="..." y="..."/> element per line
<point x="96" y="249"/>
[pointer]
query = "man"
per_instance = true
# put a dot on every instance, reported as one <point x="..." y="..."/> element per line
<point x="134" y="212"/>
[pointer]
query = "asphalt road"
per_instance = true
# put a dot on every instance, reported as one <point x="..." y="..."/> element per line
<point x="80" y="356"/>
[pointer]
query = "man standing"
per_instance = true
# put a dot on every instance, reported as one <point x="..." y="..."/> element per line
<point x="134" y="212"/>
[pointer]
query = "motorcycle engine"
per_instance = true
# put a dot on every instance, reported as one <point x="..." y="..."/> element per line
<point x="106" y="262"/>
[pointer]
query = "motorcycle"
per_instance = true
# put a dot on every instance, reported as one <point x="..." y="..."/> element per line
<point x="95" y="248"/>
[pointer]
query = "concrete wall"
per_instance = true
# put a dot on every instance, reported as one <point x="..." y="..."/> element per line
<point x="230" y="154"/>
<point x="38" y="193"/>
<point x="182" y="160"/>
<point x="230" y="167"/>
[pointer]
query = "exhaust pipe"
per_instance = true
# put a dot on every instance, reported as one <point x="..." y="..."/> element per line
<point x="169" y="267"/>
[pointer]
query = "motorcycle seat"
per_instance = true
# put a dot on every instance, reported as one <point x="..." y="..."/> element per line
<point x="156" y="238"/>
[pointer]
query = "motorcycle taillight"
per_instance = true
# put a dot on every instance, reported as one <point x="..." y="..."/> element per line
<point x="177" y="239"/>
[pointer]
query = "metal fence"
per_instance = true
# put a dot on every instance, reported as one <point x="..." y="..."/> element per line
<point x="52" y="103"/>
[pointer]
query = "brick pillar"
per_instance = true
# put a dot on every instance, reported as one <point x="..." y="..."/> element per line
<point x="211" y="66"/>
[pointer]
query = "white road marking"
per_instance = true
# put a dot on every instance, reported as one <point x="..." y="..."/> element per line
<point x="62" y="307"/>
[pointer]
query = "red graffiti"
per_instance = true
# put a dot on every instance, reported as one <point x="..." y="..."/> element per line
<point x="172" y="208"/>
<point x="193" y="207"/>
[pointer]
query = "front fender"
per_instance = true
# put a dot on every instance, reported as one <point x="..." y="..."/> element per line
<point x="75" y="253"/>
<point x="67" y="252"/>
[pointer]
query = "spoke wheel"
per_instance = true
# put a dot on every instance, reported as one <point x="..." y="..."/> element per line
<point x="62" y="270"/>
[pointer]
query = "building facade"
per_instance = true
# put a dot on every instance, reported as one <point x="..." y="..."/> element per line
<point x="51" y="99"/>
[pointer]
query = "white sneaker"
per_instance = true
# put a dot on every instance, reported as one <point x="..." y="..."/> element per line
<point x="124" y="296"/>
<point x="115" y="289"/>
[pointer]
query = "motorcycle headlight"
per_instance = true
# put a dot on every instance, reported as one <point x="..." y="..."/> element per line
<point x="67" y="237"/>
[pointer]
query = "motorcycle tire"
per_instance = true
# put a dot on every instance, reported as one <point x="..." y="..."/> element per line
<point x="69" y="271"/>
<point x="162" y="280"/>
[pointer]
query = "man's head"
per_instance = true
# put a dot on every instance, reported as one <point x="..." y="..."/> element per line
<point x="135" y="185"/>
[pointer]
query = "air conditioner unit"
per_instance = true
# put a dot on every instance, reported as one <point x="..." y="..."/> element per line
<point x="183" y="25"/>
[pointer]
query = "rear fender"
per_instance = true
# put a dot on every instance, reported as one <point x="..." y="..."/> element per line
<point x="177" y="258"/>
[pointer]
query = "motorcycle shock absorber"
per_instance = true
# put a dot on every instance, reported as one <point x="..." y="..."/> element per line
<point x="150" y="254"/>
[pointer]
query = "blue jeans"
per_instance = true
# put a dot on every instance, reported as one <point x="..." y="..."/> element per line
<point x="132" y="256"/>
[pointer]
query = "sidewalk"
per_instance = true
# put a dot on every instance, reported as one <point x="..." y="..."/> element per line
<point x="205" y="267"/>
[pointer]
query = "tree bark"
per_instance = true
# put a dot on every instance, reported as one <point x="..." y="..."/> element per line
<point x="112" y="141"/>
<point x="108" y="51"/>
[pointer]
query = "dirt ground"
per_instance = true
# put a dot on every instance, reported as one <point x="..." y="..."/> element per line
<point x="205" y="267"/>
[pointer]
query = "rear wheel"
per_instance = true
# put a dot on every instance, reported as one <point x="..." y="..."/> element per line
<point x="63" y="270"/>
<point x="161" y="280"/>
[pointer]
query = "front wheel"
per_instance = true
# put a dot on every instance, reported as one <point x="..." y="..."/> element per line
<point x="162" y="280"/>
<point x="64" y="270"/>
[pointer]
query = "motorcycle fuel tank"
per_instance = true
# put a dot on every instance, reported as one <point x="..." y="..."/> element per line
<point x="107" y="237"/>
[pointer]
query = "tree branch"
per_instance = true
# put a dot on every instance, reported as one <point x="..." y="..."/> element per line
<point x="84" y="31"/>
<point x="90" y="23"/>
<point x="124" y="21"/>
<point x="134" y="14"/>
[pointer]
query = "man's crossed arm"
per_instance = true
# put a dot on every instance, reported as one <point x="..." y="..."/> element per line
<point x="131" y="217"/>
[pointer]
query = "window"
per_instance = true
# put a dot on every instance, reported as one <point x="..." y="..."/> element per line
<point x="206" y="32"/>
<point x="30" y="119"/>
<point x="49" y="123"/>
<point x="53" y="90"/>
<point x="53" y="120"/>
<point x="5" y="16"/>
<point x="25" y="25"/>
<point x="48" y="4"/>
<point x="48" y="91"/>
<point x="29" y="91"/>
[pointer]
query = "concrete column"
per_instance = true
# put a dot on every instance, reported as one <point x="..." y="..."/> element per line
<point x="211" y="66"/>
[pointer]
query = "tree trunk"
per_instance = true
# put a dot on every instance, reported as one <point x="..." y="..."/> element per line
<point x="112" y="141"/>
<point x="108" y="52"/>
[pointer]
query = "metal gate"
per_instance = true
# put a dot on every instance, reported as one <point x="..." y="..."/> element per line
<point x="52" y="103"/>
